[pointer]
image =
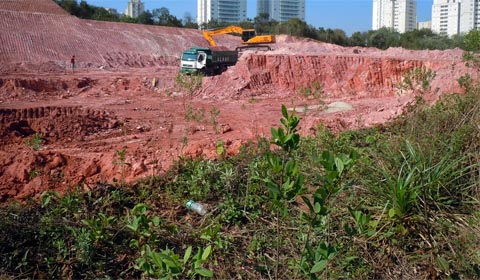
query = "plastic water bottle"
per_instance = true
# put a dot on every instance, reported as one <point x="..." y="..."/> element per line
<point x="196" y="207"/>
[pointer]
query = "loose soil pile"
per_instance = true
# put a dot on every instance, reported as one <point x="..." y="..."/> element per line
<point x="119" y="116"/>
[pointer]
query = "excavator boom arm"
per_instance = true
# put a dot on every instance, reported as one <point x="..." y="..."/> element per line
<point x="248" y="36"/>
<point x="207" y="34"/>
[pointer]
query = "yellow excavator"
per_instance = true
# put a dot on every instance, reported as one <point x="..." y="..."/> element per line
<point x="249" y="37"/>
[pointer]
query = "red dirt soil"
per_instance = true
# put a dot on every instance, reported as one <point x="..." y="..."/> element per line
<point x="121" y="96"/>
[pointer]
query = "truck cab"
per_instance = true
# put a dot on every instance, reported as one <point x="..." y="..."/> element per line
<point x="193" y="61"/>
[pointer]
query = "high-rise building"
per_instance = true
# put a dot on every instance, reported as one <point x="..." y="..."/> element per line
<point x="282" y="10"/>
<point x="231" y="11"/>
<point x="453" y="17"/>
<point x="399" y="15"/>
<point x="446" y="17"/>
<point x="134" y="8"/>
<point x="469" y="15"/>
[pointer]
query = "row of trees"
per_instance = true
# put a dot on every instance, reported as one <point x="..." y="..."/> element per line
<point x="159" y="16"/>
<point x="383" y="38"/>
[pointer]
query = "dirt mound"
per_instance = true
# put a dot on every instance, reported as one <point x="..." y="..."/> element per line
<point x="332" y="71"/>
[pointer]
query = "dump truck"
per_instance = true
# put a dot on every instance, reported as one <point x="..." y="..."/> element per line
<point x="206" y="61"/>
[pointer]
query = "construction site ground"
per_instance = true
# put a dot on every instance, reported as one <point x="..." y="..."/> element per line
<point x="120" y="116"/>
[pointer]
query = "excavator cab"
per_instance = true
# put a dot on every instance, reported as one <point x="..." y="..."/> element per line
<point x="248" y="34"/>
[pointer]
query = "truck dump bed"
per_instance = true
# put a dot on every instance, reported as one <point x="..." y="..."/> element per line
<point x="227" y="58"/>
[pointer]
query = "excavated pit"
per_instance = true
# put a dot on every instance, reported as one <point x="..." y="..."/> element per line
<point x="122" y="97"/>
<point x="54" y="123"/>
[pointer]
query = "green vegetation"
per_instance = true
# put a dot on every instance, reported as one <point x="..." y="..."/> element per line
<point x="395" y="201"/>
<point x="35" y="142"/>
<point x="313" y="91"/>
<point x="159" y="16"/>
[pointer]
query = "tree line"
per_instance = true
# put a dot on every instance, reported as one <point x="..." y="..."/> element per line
<point x="383" y="38"/>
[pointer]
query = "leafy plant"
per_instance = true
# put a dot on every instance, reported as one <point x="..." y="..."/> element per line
<point x="314" y="90"/>
<point x="99" y="226"/>
<point x="194" y="114"/>
<point x="285" y="181"/>
<point x="320" y="206"/>
<point x="140" y="223"/>
<point x="34" y="173"/>
<point x="35" y="141"/>
<point x="166" y="264"/>
<point x="121" y="156"/>
<point x="417" y="80"/>
<point x="214" y="113"/>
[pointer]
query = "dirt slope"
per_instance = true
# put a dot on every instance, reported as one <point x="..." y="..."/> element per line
<point x="32" y="37"/>
<point x="120" y="117"/>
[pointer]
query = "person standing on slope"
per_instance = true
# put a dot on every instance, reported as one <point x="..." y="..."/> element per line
<point x="72" y="62"/>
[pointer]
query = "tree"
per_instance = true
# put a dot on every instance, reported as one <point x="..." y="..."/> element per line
<point x="472" y="40"/>
<point x="263" y="24"/>
<point x="383" y="38"/>
<point x="105" y="15"/>
<point x="339" y="37"/>
<point x="163" y="17"/>
<point x="128" y="19"/>
<point x="359" y="39"/>
<point x="70" y="6"/>
<point x="293" y="26"/>
<point x="247" y="24"/>
<point x="85" y="11"/>
<point x="188" y="21"/>
<point x="145" y="18"/>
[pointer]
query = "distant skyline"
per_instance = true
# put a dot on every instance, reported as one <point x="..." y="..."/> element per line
<point x="348" y="15"/>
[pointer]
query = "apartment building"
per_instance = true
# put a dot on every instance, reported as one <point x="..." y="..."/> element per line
<point x="446" y="17"/>
<point x="399" y="15"/>
<point x="134" y="8"/>
<point x="282" y="10"/>
<point x="469" y="15"/>
<point x="453" y="17"/>
<point x="232" y="11"/>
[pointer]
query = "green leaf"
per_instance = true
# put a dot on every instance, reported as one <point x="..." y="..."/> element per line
<point x="443" y="263"/>
<point x="391" y="213"/>
<point x="187" y="254"/>
<point x="169" y="261"/>
<point x="134" y="225"/>
<point x="134" y="244"/>
<point x="284" y="111"/>
<point x="204" y="272"/>
<point x="339" y="164"/>
<point x="220" y="149"/>
<point x="207" y="252"/>
<point x="319" y="266"/>
<point x="156" y="221"/>
<point x="308" y="203"/>
<point x="274" y="133"/>
<point x="157" y="260"/>
<point x="273" y="188"/>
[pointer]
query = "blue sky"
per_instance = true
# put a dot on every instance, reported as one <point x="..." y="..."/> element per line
<point x="348" y="15"/>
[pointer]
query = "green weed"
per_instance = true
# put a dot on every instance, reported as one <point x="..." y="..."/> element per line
<point x="35" y="142"/>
